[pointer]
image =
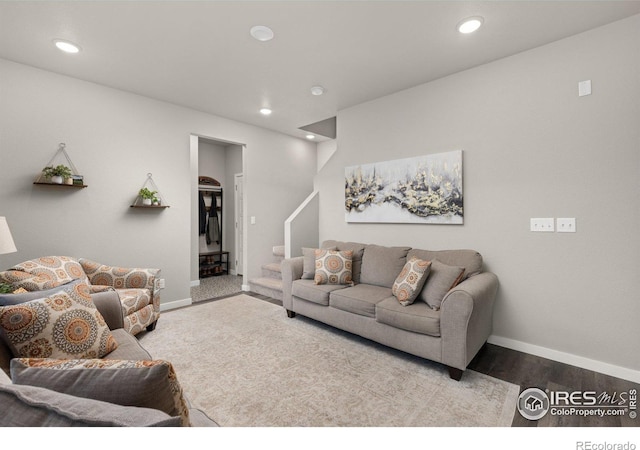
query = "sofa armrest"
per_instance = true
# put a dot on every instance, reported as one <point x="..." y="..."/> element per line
<point x="108" y="303"/>
<point x="119" y="277"/>
<point x="291" y="271"/>
<point x="466" y="318"/>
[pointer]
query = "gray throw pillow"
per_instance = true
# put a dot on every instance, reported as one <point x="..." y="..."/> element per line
<point x="442" y="278"/>
<point x="39" y="407"/>
<point x="16" y="299"/>
<point x="148" y="384"/>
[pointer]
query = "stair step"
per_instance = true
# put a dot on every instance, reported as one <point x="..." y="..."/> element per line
<point x="272" y="270"/>
<point x="270" y="287"/>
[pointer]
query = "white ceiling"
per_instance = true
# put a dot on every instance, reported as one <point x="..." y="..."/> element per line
<point x="199" y="54"/>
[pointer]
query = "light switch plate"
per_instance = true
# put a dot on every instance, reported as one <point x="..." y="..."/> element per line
<point x="584" y="88"/>
<point x="566" y="224"/>
<point x="542" y="224"/>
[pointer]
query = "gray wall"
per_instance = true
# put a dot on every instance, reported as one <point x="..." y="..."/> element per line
<point x="532" y="148"/>
<point x="115" y="138"/>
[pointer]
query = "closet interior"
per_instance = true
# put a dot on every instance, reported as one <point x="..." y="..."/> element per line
<point x="213" y="260"/>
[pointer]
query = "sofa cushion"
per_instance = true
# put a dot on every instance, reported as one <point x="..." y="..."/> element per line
<point x="148" y="384"/>
<point x="64" y="325"/>
<point x="381" y="265"/>
<point x="32" y="406"/>
<point x="471" y="260"/>
<point x="357" y="250"/>
<point x="417" y="317"/>
<point x="128" y="347"/>
<point x="316" y="293"/>
<point x="442" y="279"/>
<point x="309" y="262"/>
<point x="409" y="283"/>
<point x="359" y="299"/>
<point x="333" y="267"/>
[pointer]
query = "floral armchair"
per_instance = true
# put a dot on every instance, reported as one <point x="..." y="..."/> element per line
<point x="136" y="287"/>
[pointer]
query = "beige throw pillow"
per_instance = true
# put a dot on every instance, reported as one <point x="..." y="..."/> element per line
<point x="333" y="267"/>
<point x="442" y="279"/>
<point x="410" y="281"/>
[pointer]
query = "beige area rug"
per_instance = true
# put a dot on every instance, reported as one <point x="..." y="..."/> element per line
<point x="244" y="363"/>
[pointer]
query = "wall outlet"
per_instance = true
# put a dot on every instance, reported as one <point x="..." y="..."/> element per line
<point x="584" y="88"/>
<point x="542" y="224"/>
<point x="161" y="283"/>
<point x="566" y="225"/>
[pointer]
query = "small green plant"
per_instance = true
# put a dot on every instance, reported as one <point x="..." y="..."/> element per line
<point x="58" y="171"/>
<point x="6" y="288"/>
<point x="146" y="193"/>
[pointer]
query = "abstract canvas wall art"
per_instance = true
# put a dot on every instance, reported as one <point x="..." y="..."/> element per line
<point x="424" y="189"/>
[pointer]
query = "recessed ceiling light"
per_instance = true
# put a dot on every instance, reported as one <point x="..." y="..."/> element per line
<point x="265" y="111"/>
<point x="262" y="33"/>
<point x="311" y="137"/>
<point x="470" y="24"/>
<point x="66" y="46"/>
<point x="317" y="90"/>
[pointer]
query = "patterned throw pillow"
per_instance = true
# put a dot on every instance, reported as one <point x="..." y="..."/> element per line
<point x="148" y="384"/>
<point x="409" y="283"/>
<point x="333" y="267"/>
<point x="63" y="325"/>
<point x="44" y="273"/>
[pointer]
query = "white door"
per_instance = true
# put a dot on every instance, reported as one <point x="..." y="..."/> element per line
<point x="238" y="190"/>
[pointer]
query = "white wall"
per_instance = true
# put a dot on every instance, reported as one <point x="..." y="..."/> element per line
<point x="532" y="148"/>
<point x="115" y="138"/>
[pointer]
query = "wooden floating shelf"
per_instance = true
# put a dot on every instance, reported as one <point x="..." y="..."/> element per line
<point x="149" y="207"/>
<point x="78" y="186"/>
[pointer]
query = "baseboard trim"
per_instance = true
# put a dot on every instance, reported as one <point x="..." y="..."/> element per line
<point x="246" y="287"/>
<point x="175" y="304"/>
<point x="195" y="283"/>
<point x="567" y="358"/>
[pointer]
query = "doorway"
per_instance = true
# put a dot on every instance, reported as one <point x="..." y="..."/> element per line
<point x="214" y="247"/>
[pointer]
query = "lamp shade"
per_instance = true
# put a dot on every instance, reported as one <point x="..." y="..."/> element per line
<point x="6" y="240"/>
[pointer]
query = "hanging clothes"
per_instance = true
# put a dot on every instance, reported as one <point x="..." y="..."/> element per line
<point x="203" y="214"/>
<point x="213" y="224"/>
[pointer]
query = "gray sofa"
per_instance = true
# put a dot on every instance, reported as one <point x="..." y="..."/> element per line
<point x="35" y="406"/>
<point x="451" y="335"/>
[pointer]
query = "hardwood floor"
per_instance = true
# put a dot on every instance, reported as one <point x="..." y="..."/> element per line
<point x="532" y="371"/>
<point x="529" y="371"/>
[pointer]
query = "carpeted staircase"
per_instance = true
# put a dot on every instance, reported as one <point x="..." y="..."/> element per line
<point x="270" y="284"/>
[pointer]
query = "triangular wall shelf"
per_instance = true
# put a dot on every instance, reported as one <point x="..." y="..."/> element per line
<point x="151" y="186"/>
<point x="76" y="179"/>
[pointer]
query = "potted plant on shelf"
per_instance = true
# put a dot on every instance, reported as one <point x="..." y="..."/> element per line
<point x="147" y="196"/>
<point x="57" y="174"/>
<point x="6" y="288"/>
